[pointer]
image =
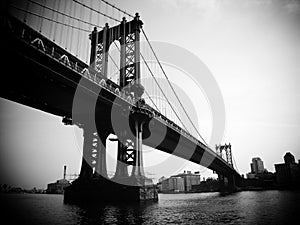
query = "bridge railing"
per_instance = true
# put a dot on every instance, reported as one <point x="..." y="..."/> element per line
<point x="48" y="47"/>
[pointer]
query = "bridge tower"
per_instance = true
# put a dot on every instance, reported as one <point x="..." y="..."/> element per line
<point x="227" y="182"/>
<point x="93" y="170"/>
<point x="227" y="149"/>
<point x="128" y="36"/>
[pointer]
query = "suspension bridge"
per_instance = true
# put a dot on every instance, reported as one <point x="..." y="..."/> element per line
<point x="82" y="61"/>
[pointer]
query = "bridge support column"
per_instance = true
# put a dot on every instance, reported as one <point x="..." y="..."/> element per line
<point x="222" y="184"/>
<point x="232" y="183"/>
<point x="138" y="168"/>
<point x="227" y="183"/>
<point x="86" y="171"/>
<point x="121" y="169"/>
<point x="100" y="168"/>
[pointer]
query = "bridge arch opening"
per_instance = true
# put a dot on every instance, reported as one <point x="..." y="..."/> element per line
<point x="111" y="155"/>
<point x="113" y="63"/>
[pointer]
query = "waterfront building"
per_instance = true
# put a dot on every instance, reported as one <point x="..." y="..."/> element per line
<point x="173" y="184"/>
<point x="178" y="184"/>
<point x="182" y="182"/>
<point x="190" y="179"/>
<point x="59" y="186"/>
<point x="287" y="173"/>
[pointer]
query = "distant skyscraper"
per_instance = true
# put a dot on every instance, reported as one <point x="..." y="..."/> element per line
<point x="257" y="166"/>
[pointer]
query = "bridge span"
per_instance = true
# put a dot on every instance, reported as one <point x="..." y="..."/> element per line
<point x="42" y="75"/>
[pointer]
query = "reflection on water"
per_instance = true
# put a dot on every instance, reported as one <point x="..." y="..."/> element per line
<point x="265" y="207"/>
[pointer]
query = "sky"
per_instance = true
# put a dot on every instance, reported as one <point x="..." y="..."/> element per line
<point x="251" y="48"/>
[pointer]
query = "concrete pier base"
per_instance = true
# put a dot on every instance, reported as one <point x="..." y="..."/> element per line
<point x="227" y="184"/>
<point x="104" y="190"/>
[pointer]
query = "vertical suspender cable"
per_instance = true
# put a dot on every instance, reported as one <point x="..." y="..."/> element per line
<point x="62" y="27"/>
<point x="78" y="46"/>
<point x="52" y="17"/>
<point x="121" y="11"/>
<point x="67" y="28"/>
<point x="89" y="28"/>
<point x="173" y="89"/>
<point x="56" y="26"/>
<point x="123" y="49"/>
<point x="41" y="19"/>
<point x="109" y="66"/>
<point x="68" y="38"/>
<point x="25" y="13"/>
<point x="112" y="13"/>
<point x="38" y="21"/>
<point x="98" y="15"/>
<point x="72" y="7"/>
<point x="106" y="10"/>
<point x="160" y="88"/>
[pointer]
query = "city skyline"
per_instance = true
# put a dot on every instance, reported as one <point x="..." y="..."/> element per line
<point x="256" y="70"/>
<point x="290" y="159"/>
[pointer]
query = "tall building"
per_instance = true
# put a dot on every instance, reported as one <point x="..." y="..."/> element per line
<point x="288" y="173"/>
<point x="257" y="166"/>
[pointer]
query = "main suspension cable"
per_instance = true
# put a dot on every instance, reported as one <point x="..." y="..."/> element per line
<point x="103" y="14"/>
<point x="172" y="86"/>
<point x="64" y="14"/>
<point x="46" y="18"/>
<point x="120" y="10"/>
<point x="162" y="91"/>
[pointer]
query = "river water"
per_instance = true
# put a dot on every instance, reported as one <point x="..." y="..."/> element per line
<point x="248" y="207"/>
